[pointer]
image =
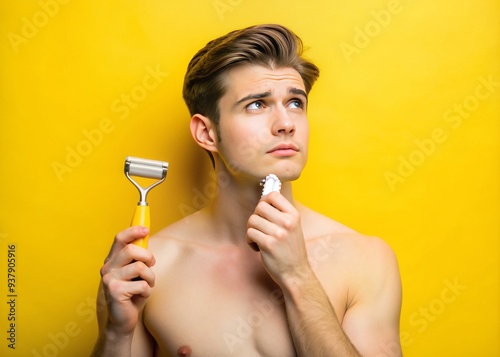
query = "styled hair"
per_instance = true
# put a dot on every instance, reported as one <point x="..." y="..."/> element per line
<point x="271" y="46"/>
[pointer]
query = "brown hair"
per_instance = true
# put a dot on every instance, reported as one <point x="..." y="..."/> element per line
<point x="266" y="45"/>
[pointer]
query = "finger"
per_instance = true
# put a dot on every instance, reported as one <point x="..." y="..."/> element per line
<point x="132" y="252"/>
<point x="127" y="236"/>
<point x="250" y="240"/>
<point x="278" y="201"/>
<point x="283" y="215"/>
<point x="263" y="223"/>
<point x="140" y="288"/>
<point x="126" y="255"/>
<point x="137" y="271"/>
<point x="119" y="289"/>
<point x="116" y="279"/>
<point x="266" y="210"/>
<point x="256" y="239"/>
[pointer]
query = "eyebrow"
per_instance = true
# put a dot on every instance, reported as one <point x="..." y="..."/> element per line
<point x="255" y="96"/>
<point x="297" y="91"/>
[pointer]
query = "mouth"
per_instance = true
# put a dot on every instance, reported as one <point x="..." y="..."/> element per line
<point x="284" y="150"/>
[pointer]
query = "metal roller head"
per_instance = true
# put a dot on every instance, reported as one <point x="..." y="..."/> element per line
<point x="135" y="166"/>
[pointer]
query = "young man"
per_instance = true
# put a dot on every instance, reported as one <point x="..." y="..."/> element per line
<point x="309" y="287"/>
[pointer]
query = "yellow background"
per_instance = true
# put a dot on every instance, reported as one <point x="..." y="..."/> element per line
<point x="404" y="145"/>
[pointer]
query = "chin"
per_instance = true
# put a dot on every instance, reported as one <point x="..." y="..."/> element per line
<point x="288" y="177"/>
<point x="286" y="172"/>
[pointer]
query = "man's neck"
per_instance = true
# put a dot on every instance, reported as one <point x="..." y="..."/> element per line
<point x="232" y="206"/>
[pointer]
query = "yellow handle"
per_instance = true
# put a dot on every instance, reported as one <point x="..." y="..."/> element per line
<point x="141" y="218"/>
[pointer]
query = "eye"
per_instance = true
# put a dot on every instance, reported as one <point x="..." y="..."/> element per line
<point x="296" y="103"/>
<point x="255" y="105"/>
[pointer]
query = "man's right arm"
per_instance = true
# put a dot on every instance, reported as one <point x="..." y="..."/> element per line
<point x="121" y="297"/>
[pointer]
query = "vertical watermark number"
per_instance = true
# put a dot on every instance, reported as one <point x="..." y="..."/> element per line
<point x="11" y="297"/>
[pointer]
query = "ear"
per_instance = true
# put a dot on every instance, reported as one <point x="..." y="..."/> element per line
<point x="203" y="132"/>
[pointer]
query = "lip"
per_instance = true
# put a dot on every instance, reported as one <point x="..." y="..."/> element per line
<point x="284" y="149"/>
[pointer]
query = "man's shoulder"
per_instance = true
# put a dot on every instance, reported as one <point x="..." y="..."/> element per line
<point x="350" y="265"/>
<point x="350" y="244"/>
<point x="183" y="228"/>
<point x="317" y="226"/>
<point x="176" y="239"/>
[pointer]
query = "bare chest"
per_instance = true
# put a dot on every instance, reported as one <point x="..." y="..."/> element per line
<point x="215" y="320"/>
<point x="227" y="305"/>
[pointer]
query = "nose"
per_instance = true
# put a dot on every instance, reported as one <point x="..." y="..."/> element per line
<point x="282" y="123"/>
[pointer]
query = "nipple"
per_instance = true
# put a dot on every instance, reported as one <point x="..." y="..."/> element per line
<point x="184" y="351"/>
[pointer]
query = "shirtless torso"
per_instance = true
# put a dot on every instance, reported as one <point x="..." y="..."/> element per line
<point x="215" y="298"/>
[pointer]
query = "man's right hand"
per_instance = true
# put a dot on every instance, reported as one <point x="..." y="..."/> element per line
<point x="122" y="295"/>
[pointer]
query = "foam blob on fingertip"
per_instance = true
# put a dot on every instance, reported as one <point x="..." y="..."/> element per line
<point x="270" y="184"/>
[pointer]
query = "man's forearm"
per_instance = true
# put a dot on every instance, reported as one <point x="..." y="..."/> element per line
<point x="315" y="328"/>
<point x="109" y="345"/>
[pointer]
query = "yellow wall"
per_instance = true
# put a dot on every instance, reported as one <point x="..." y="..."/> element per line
<point x="404" y="145"/>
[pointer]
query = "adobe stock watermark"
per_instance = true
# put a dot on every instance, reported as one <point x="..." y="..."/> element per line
<point x="12" y="296"/>
<point x="223" y="6"/>
<point x="58" y="341"/>
<point x="121" y="108"/>
<point x="31" y="25"/>
<point x="363" y="35"/>
<point x="265" y="308"/>
<point x="453" y="118"/>
<point x="430" y="311"/>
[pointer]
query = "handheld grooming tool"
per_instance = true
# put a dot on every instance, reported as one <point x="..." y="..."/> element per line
<point x="271" y="184"/>
<point x="152" y="169"/>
